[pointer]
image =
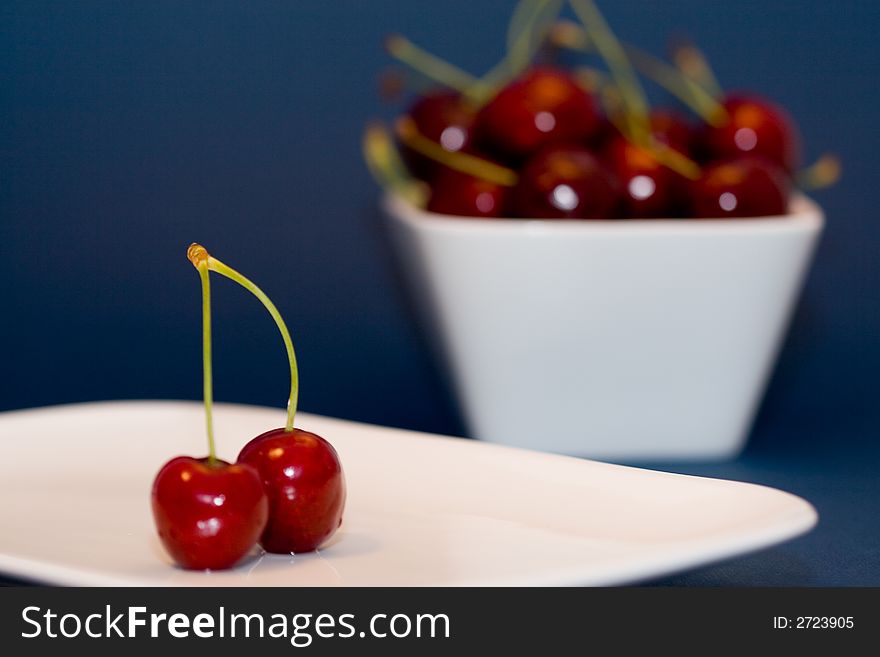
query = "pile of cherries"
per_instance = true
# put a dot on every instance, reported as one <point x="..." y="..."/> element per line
<point x="564" y="157"/>
<point x="286" y="490"/>
<point x="572" y="163"/>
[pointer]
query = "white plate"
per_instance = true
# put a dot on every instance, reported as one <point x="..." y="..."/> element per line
<point x="422" y="510"/>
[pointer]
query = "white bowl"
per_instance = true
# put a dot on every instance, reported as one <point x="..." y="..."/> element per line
<point x="615" y="340"/>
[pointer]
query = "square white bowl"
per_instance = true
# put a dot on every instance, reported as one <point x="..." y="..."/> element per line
<point x="615" y="340"/>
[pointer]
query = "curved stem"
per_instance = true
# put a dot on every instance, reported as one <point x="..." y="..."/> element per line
<point x="519" y="26"/>
<point x="690" y="60"/>
<point x="824" y="172"/>
<point x="703" y="103"/>
<point x="387" y="167"/>
<point x="529" y="24"/>
<point x="611" y="50"/>
<point x="528" y="27"/>
<point x="431" y="66"/>
<point x="683" y="87"/>
<point x="672" y="159"/>
<point x="408" y="133"/>
<point x="224" y="270"/>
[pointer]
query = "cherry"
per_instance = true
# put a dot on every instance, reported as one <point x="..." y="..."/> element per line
<point x="302" y="473"/>
<point x="649" y="189"/>
<point x="671" y="128"/>
<point x="667" y="127"/>
<point x="564" y="182"/>
<point x="465" y="184"/>
<point x="543" y="106"/>
<point x="209" y="514"/>
<point x="443" y="118"/>
<point x="754" y="126"/>
<point x="606" y="133"/>
<point x="385" y="163"/>
<point x="740" y="187"/>
<point x="454" y="192"/>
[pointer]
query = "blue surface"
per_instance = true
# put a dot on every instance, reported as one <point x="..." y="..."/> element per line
<point x="128" y="130"/>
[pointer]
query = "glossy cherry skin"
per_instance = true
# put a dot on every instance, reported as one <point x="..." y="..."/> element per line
<point x="740" y="187"/>
<point x="542" y="107"/>
<point x="305" y="484"/>
<point x="648" y="188"/>
<point x="755" y="127"/>
<point x="460" y="194"/>
<point x="604" y="135"/>
<point x="564" y="182"/>
<point x="667" y="126"/>
<point x="444" y="119"/>
<point x="208" y="516"/>
<point x="673" y="129"/>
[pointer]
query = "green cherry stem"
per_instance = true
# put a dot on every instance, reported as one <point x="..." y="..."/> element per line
<point x="824" y="172"/>
<point x="198" y="256"/>
<point x="431" y="66"/>
<point x="704" y="104"/>
<point x="691" y="61"/>
<point x="225" y="270"/>
<point x="528" y="28"/>
<point x="612" y="52"/>
<point x="387" y="167"/>
<point x="408" y="133"/>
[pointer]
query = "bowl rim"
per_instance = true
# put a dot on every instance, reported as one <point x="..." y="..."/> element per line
<point x="804" y="215"/>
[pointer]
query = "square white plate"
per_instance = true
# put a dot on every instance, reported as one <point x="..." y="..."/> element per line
<point x="422" y="510"/>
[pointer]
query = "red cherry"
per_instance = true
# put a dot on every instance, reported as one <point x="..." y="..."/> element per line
<point x="564" y="182"/>
<point x="755" y="127"/>
<point x="667" y="126"/>
<point x="671" y="128"/>
<point x="209" y="515"/>
<point x="453" y="192"/>
<point x="543" y="106"/>
<point x="603" y="136"/>
<point x="740" y="187"/>
<point x="305" y="485"/>
<point x="442" y="118"/>
<point x="649" y="189"/>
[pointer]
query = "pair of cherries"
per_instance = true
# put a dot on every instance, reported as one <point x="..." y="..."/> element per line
<point x="286" y="490"/>
<point x="571" y="162"/>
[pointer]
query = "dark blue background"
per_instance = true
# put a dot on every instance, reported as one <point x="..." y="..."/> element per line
<point x="128" y="130"/>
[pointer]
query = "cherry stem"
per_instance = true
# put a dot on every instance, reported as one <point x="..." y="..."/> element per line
<point x="704" y="104"/>
<point x="673" y="159"/>
<point x="198" y="256"/>
<point x="431" y="66"/>
<point x="690" y="60"/>
<point x="224" y="270"/>
<point x="688" y="90"/>
<point x="824" y="172"/>
<point x="388" y="168"/>
<point x="665" y="155"/>
<point x="611" y="50"/>
<point x="409" y="134"/>
<point x="521" y="26"/>
<point x="529" y="25"/>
